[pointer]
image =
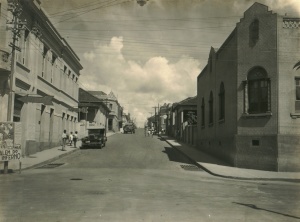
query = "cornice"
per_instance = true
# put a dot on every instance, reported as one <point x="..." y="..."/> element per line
<point x="51" y="35"/>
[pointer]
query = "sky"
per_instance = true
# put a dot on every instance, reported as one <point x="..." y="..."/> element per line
<point x="148" y="55"/>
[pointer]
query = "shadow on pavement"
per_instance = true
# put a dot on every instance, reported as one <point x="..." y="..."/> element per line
<point x="271" y="211"/>
<point x="175" y="156"/>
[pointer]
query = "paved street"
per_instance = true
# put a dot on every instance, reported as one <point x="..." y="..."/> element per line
<point x="138" y="178"/>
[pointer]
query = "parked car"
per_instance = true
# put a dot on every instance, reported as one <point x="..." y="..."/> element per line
<point x="129" y="128"/>
<point x="96" y="137"/>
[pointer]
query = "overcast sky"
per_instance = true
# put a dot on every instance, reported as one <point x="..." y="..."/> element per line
<point x="152" y="54"/>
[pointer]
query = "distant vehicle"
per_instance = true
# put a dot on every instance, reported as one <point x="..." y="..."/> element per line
<point x="129" y="128"/>
<point x="96" y="137"/>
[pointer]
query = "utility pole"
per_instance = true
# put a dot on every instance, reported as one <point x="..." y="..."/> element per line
<point x="155" y="117"/>
<point x="106" y="114"/>
<point x="16" y="27"/>
<point x="158" y="119"/>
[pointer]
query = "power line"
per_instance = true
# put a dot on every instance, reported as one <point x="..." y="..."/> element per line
<point x="87" y="11"/>
<point x="80" y="7"/>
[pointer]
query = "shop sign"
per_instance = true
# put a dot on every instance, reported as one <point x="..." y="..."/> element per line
<point x="10" y="145"/>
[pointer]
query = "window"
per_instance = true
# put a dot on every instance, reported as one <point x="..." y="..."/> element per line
<point x="110" y="106"/>
<point x="53" y="66"/>
<point x="211" y="108"/>
<point x="53" y="59"/>
<point x="25" y="48"/>
<point x="222" y="102"/>
<point x="297" y="94"/>
<point x="258" y="91"/>
<point x="210" y="64"/>
<point x="253" y="33"/>
<point x="255" y="143"/>
<point x="202" y="113"/>
<point x="44" y="66"/>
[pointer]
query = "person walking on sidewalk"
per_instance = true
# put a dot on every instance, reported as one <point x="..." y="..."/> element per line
<point x="75" y="137"/>
<point x="64" y="140"/>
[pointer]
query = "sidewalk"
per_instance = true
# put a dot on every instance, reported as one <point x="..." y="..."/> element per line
<point x="219" y="168"/>
<point x="42" y="158"/>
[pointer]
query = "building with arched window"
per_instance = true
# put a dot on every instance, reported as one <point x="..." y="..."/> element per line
<point x="248" y="94"/>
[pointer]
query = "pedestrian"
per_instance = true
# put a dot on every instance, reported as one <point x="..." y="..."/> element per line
<point x="64" y="140"/>
<point x="70" y="138"/>
<point x="75" y="137"/>
<point x="145" y="130"/>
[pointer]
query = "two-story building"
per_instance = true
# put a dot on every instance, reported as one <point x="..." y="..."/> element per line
<point x="92" y="110"/>
<point x="45" y="67"/>
<point x="115" y="116"/>
<point x="248" y="99"/>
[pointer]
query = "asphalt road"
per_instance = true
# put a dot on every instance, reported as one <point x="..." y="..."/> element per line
<point x="138" y="178"/>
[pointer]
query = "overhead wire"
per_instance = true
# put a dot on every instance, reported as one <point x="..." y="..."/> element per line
<point x="87" y="11"/>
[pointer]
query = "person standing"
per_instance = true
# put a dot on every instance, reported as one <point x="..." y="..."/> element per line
<point x="64" y="140"/>
<point x="70" y="138"/>
<point x="75" y="137"/>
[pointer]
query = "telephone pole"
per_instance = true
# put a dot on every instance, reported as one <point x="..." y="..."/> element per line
<point x="155" y="117"/>
<point x="158" y="119"/>
<point x="16" y="26"/>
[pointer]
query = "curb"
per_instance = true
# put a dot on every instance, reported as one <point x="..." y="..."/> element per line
<point x="231" y="177"/>
<point x="48" y="161"/>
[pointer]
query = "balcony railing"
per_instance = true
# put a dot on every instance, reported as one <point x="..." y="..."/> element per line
<point x="291" y="23"/>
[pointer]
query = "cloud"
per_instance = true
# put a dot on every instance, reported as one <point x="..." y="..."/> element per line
<point x="139" y="87"/>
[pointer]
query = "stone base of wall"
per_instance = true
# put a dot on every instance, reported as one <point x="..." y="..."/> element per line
<point x="222" y="149"/>
<point x="289" y="153"/>
<point x="256" y="152"/>
<point x="279" y="153"/>
<point x="33" y="146"/>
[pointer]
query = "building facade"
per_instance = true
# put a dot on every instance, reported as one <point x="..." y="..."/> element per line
<point x="91" y="110"/>
<point x="248" y="104"/>
<point x="47" y="66"/>
<point x="115" y="117"/>
<point x="184" y="113"/>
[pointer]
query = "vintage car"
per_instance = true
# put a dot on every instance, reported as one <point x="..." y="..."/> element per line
<point x="96" y="137"/>
<point x="129" y="128"/>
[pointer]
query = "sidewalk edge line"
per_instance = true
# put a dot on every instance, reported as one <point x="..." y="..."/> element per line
<point x="231" y="177"/>
<point x="47" y="161"/>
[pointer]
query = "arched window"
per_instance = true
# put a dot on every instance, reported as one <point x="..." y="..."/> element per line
<point x="253" y="33"/>
<point x="211" y="108"/>
<point x="202" y="113"/>
<point x="222" y="102"/>
<point x="258" y="91"/>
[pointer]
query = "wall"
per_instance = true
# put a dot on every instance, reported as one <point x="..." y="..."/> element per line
<point x="218" y="138"/>
<point x="36" y="76"/>
<point x="289" y="118"/>
<point x="263" y="54"/>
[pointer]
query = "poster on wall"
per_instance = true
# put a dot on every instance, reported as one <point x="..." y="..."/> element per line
<point x="10" y="145"/>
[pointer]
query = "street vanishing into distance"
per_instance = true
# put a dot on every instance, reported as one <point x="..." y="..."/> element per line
<point x="138" y="178"/>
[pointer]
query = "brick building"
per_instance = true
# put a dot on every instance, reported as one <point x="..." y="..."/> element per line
<point x="248" y="98"/>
